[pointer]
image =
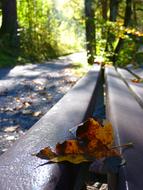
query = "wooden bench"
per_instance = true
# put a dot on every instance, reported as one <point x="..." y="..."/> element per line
<point x="123" y="100"/>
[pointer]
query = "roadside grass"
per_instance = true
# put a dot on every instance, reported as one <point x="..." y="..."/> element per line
<point x="80" y="68"/>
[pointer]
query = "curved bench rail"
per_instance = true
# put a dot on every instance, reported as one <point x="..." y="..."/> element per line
<point x="21" y="171"/>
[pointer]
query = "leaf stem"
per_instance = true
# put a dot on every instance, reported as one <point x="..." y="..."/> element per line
<point x="130" y="144"/>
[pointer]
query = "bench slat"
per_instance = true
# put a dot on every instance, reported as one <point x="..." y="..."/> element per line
<point x="137" y="88"/>
<point x="19" y="170"/>
<point x="126" y="117"/>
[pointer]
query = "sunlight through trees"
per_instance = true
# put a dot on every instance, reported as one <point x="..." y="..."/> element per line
<point x="36" y="30"/>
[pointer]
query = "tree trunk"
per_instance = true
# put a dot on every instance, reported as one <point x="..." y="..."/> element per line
<point x="90" y="30"/>
<point x="135" y="14"/>
<point x="128" y="12"/>
<point x="9" y="19"/>
<point x="113" y="10"/>
<point x="114" y="4"/>
<point x="104" y="9"/>
<point x="127" y="19"/>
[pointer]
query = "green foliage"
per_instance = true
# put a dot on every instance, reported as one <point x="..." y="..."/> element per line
<point x="47" y="29"/>
<point x="117" y="31"/>
<point x="8" y="55"/>
<point x="50" y="28"/>
<point x="6" y="60"/>
<point x="127" y="53"/>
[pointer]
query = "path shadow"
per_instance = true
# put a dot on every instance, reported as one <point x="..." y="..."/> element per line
<point x="23" y="87"/>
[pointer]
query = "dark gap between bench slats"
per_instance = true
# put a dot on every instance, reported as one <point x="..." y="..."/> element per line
<point x="97" y="110"/>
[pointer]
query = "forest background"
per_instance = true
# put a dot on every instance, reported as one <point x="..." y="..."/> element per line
<point x="36" y="30"/>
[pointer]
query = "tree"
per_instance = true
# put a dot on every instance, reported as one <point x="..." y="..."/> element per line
<point x="114" y="4"/>
<point x="104" y="4"/>
<point x="113" y="10"/>
<point x="9" y="19"/>
<point x="127" y="19"/>
<point x="90" y="30"/>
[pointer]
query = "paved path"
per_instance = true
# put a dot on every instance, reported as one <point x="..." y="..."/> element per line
<point x="28" y="92"/>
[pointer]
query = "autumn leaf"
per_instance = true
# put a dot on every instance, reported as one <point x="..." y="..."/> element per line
<point x="37" y="82"/>
<point x="92" y="131"/>
<point x="18" y="99"/>
<point x="69" y="147"/>
<point x="26" y="104"/>
<point x="27" y="112"/>
<point x="37" y="113"/>
<point x="100" y="150"/>
<point x="11" y="128"/>
<point x="93" y="141"/>
<point x="48" y="154"/>
<point x="137" y="80"/>
<point x="73" y="158"/>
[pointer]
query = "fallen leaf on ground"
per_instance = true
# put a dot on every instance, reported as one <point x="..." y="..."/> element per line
<point x="9" y="109"/>
<point x="94" y="141"/>
<point x="24" y="104"/>
<point x="27" y="104"/>
<point x="27" y="112"/>
<point x="10" y="138"/>
<point x="41" y="88"/>
<point x="37" y="82"/>
<point x="37" y="113"/>
<point x="18" y="99"/>
<point x="11" y="128"/>
<point x="49" y="96"/>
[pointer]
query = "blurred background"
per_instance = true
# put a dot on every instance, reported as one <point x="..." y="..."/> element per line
<point x="37" y="30"/>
